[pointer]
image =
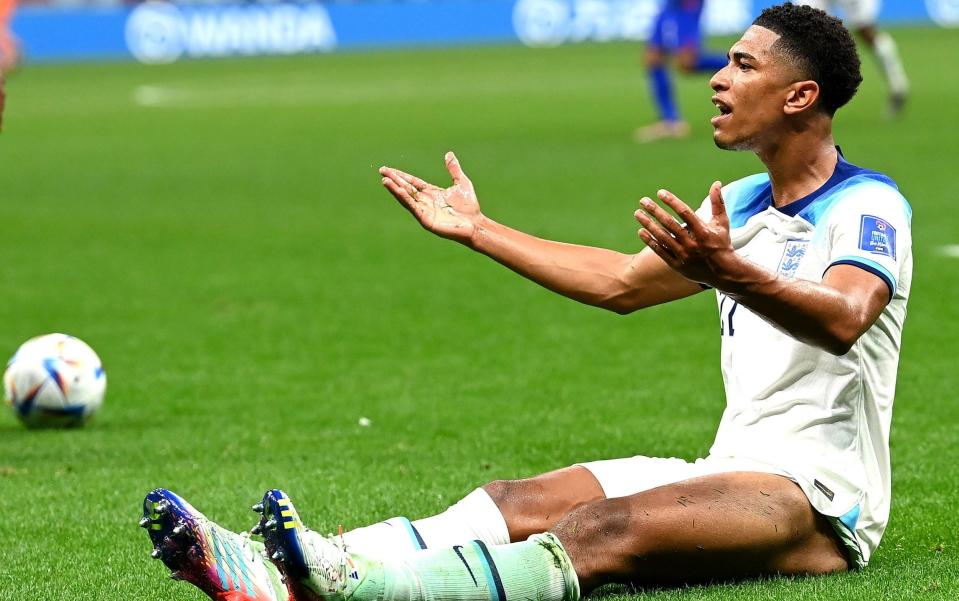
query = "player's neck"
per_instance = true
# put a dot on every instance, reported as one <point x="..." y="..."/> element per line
<point x="799" y="166"/>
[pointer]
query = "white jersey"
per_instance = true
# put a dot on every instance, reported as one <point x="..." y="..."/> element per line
<point x="822" y="419"/>
<point x="856" y="13"/>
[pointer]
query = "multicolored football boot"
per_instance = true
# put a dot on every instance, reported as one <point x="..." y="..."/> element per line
<point x="314" y="566"/>
<point x="225" y="565"/>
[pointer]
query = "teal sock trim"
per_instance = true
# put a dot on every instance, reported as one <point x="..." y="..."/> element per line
<point x="493" y="580"/>
<point x="415" y="538"/>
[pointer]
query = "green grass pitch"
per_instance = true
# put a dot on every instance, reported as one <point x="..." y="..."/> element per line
<point x="217" y="232"/>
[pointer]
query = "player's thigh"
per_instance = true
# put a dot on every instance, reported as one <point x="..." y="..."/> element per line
<point x="824" y="5"/>
<point x="860" y="13"/>
<point x="689" y="36"/>
<point x="723" y="526"/>
<point x="687" y="57"/>
<point x="533" y="505"/>
<point x="664" y="35"/>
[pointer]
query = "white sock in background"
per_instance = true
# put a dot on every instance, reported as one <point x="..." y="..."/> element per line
<point x="888" y="55"/>
<point x="475" y="517"/>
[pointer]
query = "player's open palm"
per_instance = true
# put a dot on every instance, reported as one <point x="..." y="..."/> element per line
<point x="448" y="212"/>
<point x="699" y="250"/>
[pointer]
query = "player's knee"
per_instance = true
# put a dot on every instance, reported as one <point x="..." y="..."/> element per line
<point x="511" y="497"/>
<point x="525" y="505"/>
<point x="868" y="35"/>
<point x="686" y="62"/>
<point x="653" y="58"/>
<point x="498" y="490"/>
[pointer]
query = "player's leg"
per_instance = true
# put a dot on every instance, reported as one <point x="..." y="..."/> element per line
<point x="663" y="40"/>
<point x="315" y="566"/>
<point x="887" y="54"/>
<point x="534" y="505"/>
<point x="715" y="527"/>
<point x="690" y="55"/>
<point x="382" y="555"/>
<point x="668" y="124"/>
<point x="498" y="513"/>
<point x="862" y="16"/>
<point x="9" y="47"/>
<point x="512" y="510"/>
<point x="660" y="83"/>
<point x="224" y="565"/>
<point x="692" y="59"/>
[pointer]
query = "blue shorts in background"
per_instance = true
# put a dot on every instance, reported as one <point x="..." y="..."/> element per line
<point x="677" y="26"/>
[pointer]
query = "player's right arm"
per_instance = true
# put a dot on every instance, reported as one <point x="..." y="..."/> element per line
<point x="603" y="278"/>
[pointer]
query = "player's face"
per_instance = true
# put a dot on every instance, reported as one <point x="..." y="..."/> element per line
<point x="750" y="93"/>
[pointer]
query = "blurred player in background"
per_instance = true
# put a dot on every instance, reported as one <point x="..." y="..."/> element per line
<point x="9" y="46"/>
<point x="676" y="34"/>
<point x="811" y="265"/>
<point x="3" y="99"/>
<point x="861" y="16"/>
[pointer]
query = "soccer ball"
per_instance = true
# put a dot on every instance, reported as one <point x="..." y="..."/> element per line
<point x="54" y="381"/>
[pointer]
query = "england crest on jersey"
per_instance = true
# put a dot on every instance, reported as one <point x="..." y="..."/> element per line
<point x="792" y="256"/>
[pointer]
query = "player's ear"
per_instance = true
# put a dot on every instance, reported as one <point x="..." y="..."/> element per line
<point x="800" y="96"/>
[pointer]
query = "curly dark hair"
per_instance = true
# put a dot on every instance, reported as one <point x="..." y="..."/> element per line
<point x="820" y="47"/>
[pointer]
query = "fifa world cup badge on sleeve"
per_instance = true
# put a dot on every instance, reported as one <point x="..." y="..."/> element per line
<point x="877" y="236"/>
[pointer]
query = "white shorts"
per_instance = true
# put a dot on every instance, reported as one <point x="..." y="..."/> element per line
<point x="632" y="475"/>
<point x="856" y="13"/>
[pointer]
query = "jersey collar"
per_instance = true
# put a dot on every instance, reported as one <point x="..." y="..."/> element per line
<point x="843" y="171"/>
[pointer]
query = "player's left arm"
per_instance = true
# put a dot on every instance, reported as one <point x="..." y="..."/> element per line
<point x="831" y="314"/>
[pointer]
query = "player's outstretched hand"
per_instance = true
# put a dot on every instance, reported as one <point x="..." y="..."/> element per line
<point x="700" y="251"/>
<point x="448" y="212"/>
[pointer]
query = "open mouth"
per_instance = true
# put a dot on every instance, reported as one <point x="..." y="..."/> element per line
<point x="724" y="110"/>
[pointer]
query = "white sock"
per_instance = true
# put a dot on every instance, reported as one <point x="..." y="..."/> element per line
<point x="538" y="568"/>
<point x="888" y="55"/>
<point x="475" y="517"/>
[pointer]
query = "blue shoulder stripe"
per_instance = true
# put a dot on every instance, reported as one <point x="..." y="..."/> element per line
<point x="747" y="197"/>
<point x="870" y="266"/>
<point x="753" y="195"/>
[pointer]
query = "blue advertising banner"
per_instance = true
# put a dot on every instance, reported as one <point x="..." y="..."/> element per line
<point x="160" y="32"/>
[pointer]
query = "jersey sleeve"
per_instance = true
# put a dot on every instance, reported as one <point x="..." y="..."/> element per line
<point x="871" y="229"/>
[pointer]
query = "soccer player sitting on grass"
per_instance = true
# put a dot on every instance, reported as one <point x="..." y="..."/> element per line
<point x="811" y="264"/>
